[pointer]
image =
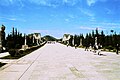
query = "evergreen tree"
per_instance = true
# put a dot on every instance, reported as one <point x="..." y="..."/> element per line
<point x="102" y="39"/>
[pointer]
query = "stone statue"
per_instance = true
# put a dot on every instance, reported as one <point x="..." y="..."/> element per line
<point x="2" y="37"/>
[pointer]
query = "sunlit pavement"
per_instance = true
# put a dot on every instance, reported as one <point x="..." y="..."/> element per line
<point x="4" y="54"/>
<point x="59" y="62"/>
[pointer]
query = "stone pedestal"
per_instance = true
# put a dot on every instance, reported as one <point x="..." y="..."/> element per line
<point x="24" y="47"/>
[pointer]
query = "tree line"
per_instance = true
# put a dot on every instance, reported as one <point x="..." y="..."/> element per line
<point x="107" y="41"/>
<point x="15" y="40"/>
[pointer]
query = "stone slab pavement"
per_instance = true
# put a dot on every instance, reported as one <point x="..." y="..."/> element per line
<point x="59" y="62"/>
<point x="5" y="60"/>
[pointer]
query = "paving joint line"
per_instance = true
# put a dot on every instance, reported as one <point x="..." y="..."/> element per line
<point x="28" y="67"/>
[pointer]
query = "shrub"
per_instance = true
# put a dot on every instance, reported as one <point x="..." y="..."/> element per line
<point x="17" y="53"/>
<point x="10" y="44"/>
<point x="104" y="49"/>
<point x="1" y="64"/>
<point x="114" y="50"/>
<point x="20" y="51"/>
<point x="110" y="48"/>
<point x="12" y="52"/>
<point x="17" y="46"/>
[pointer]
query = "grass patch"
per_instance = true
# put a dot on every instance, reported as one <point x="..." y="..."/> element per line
<point x="2" y="64"/>
<point x="11" y="57"/>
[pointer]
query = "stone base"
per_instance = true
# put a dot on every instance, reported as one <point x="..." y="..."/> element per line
<point x="24" y="47"/>
<point x="80" y="46"/>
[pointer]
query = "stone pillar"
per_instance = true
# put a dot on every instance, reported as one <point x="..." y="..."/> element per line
<point x="80" y="42"/>
<point x="25" y="46"/>
<point x="37" y="42"/>
<point x="73" y="41"/>
<point x="33" y="39"/>
<point x="1" y="49"/>
<point x="95" y="40"/>
<point x="25" y="41"/>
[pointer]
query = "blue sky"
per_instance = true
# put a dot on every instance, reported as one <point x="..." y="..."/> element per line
<point x="56" y="17"/>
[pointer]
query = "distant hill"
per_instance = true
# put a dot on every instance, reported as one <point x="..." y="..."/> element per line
<point x="49" y="38"/>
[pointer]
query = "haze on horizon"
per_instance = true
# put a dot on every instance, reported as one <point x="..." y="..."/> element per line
<point x="57" y="17"/>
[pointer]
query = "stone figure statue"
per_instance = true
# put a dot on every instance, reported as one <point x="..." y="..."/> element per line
<point x="2" y="37"/>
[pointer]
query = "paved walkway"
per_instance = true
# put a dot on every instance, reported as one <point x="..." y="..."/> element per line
<point x="59" y="62"/>
<point x="5" y="60"/>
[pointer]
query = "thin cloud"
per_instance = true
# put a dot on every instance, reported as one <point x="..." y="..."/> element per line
<point x="86" y="28"/>
<point x="91" y="28"/>
<point x="67" y="20"/>
<point x="108" y="11"/>
<point x="90" y="2"/>
<point x="88" y="13"/>
<point x="21" y="3"/>
<point x="49" y="3"/>
<point x="71" y="16"/>
<point x="12" y="19"/>
<point x="70" y="2"/>
<point x="11" y="1"/>
<point x="110" y="24"/>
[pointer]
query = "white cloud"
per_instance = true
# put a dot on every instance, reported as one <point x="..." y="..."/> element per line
<point x="54" y="3"/>
<point x="67" y="20"/>
<point x="101" y="26"/>
<point x="88" y="13"/>
<point x="11" y="1"/>
<point x="92" y="28"/>
<point x="50" y="3"/>
<point x="110" y="24"/>
<point x="8" y="18"/>
<point x="12" y="19"/>
<point x="71" y="16"/>
<point x="87" y="28"/>
<point x="65" y="1"/>
<point x="70" y="2"/>
<point x="90" y="2"/>
<point x="18" y="3"/>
